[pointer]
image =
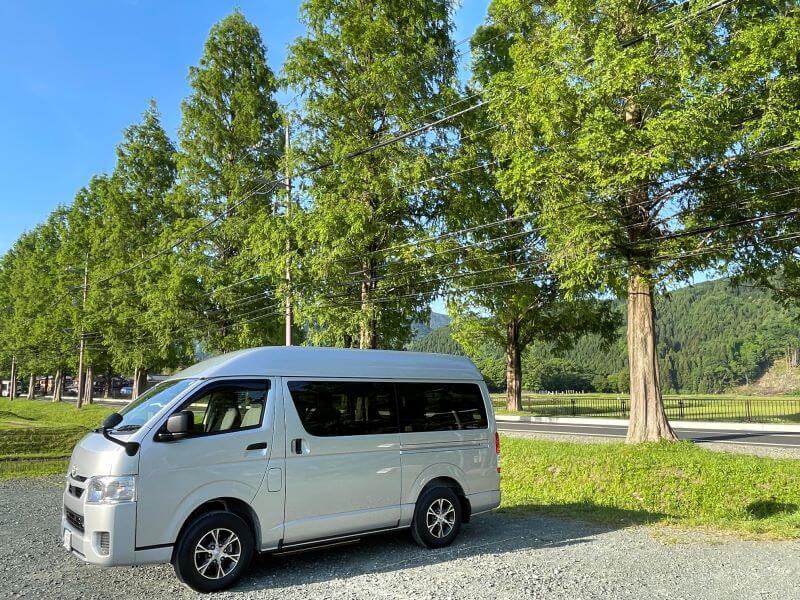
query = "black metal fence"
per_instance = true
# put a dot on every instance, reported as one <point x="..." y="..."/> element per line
<point x="743" y="409"/>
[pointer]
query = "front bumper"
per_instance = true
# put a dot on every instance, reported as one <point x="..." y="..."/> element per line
<point x="118" y="521"/>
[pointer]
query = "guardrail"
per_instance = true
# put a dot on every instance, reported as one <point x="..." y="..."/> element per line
<point x="742" y="409"/>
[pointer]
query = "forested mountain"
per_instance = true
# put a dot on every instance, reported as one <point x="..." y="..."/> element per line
<point x="711" y="337"/>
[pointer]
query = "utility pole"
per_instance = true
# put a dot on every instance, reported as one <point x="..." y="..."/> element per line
<point x="289" y="313"/>
<point x="81" y="379"/>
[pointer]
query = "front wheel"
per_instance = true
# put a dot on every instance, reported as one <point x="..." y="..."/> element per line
<point x="437" y="518"/>
<point x="213" y="552"/>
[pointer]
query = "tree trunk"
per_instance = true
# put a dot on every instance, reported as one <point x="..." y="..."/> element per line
<point x="648" y="421"/>
<point x="81" y="386"/>
<point x="88" y="394"/>
<point x="513" y="368"/>
<point x="12" y="384"/>
<point x="107" y="389"/>
<point x="31" y="383"/>
<point x="369" y="324"/>
<point x="57" y="385"/>
<point x="139" y="382"/>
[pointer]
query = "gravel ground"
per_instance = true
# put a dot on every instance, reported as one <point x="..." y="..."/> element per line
<point x="500" y="555"/>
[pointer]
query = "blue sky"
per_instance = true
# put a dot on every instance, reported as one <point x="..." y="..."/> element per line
<point x="75" y="74"/>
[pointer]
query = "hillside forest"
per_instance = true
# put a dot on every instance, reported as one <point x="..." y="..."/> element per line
<point x="712" y="338"/>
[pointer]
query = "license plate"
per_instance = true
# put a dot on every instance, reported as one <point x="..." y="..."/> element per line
<point x="68" y="539"/>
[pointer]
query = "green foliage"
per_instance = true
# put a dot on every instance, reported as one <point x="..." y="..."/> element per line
<point x="230" y="144"/>
<point x="132" y="311"/>
<point x="366" y="71"/>
<point x="669" y="484"/>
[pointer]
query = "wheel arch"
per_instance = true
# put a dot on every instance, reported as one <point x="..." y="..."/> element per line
<point x="445" y="475"/>
<point x="234" y="505"/>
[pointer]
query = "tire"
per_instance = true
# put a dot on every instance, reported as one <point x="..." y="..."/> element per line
<point x="429" y="531"/>
<point x="219" y="567"/>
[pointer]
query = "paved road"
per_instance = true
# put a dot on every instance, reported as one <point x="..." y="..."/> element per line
<point x="744" y="438"/>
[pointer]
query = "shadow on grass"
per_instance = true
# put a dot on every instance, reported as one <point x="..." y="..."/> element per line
<point x="764" y="509"/>
<point x="510" y="530"/>
<point x="619" y="518"/>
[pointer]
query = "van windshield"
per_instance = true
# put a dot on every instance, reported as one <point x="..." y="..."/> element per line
<point x="145" y="407"/>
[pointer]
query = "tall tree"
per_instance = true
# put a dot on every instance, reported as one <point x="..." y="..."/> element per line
<point x="613" y="112"/>
<point x="231" y="142"/>
<point x="367" y="70"/>
<point x="503" y="290"/>
<point x="137" y="306"/>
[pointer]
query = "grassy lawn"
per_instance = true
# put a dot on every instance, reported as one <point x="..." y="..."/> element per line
<point x="673" y="484"/>
<point x="678" y="484"/>
<point x="36" y="438"/>
<point x="761" y="409"/>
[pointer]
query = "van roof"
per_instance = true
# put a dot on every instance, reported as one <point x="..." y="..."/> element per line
<point x="304" y="361"/>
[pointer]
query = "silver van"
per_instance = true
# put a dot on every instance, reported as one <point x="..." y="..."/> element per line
<point x="272" y="449"/>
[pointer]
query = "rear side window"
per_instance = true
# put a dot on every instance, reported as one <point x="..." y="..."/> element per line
<point x="440" y="407"/>
<point x="333" y="408"/>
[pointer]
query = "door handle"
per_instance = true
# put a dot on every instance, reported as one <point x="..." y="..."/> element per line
<point x="297" y="445"/>
<point x="258" y="446"/>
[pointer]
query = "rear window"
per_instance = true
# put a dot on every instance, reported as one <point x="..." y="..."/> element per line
<point x="440" y="407"/>
<point x="339" y="408"/>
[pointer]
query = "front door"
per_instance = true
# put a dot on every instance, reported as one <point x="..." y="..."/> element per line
<point x="342" y="458"/>
<point x="225" y="456"/>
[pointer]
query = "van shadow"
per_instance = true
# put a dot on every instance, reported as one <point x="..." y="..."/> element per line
<point x="506" y="531"/>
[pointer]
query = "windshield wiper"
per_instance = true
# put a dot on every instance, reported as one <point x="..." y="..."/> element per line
<point x="128" y="428"/>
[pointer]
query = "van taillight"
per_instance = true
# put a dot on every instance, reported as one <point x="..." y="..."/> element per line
<point x="497" y="448"/>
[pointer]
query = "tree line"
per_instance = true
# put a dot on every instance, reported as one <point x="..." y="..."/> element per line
<point x="597" y="149"/>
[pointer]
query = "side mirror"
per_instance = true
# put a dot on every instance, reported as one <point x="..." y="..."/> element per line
<point x="180" y="424"/>
<point x="112" y="421"/>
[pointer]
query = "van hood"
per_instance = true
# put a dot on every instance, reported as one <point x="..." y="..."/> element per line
<point x="95" y="455"/>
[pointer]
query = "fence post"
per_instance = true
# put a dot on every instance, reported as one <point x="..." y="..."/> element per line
<point x="680" y="407"/>
<point x="572" y="402"/>
<point x="748" y="410"/>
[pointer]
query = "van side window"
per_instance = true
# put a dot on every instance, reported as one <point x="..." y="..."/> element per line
<point x="228" y="407"/>
<point x="334" y="408"/>
<point x="440" y="407"/>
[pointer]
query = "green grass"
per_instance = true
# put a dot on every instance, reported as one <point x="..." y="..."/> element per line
<point x="36" y="438"/>
<point x="617" y="484"/>
<point x="674" y="484"/>
<point x="762" y="409"/>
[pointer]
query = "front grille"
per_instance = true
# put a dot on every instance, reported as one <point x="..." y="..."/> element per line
<point x="75" y="491"/>
<point x="74" y="519"/>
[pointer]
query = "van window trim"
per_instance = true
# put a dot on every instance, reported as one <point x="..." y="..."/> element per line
<point x="393" y="382"/>
<point x="205" y="385"/>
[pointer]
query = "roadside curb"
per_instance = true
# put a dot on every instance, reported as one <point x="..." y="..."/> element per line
<point x="715" y="425"/>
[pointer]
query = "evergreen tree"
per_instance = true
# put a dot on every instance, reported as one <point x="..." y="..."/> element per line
<point x="230" y="140"/>
<point x="367" y="70"/>
<point x="138" y="306"/>
<point x="614" y="113"/>
<point x="503" y="290"/>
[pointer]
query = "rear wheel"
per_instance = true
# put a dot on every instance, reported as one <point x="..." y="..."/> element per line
<point x="437" y="518"/>
<point x="213" y="552"/>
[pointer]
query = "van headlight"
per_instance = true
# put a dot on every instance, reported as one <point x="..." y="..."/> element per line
<point x="111" y="489"/>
